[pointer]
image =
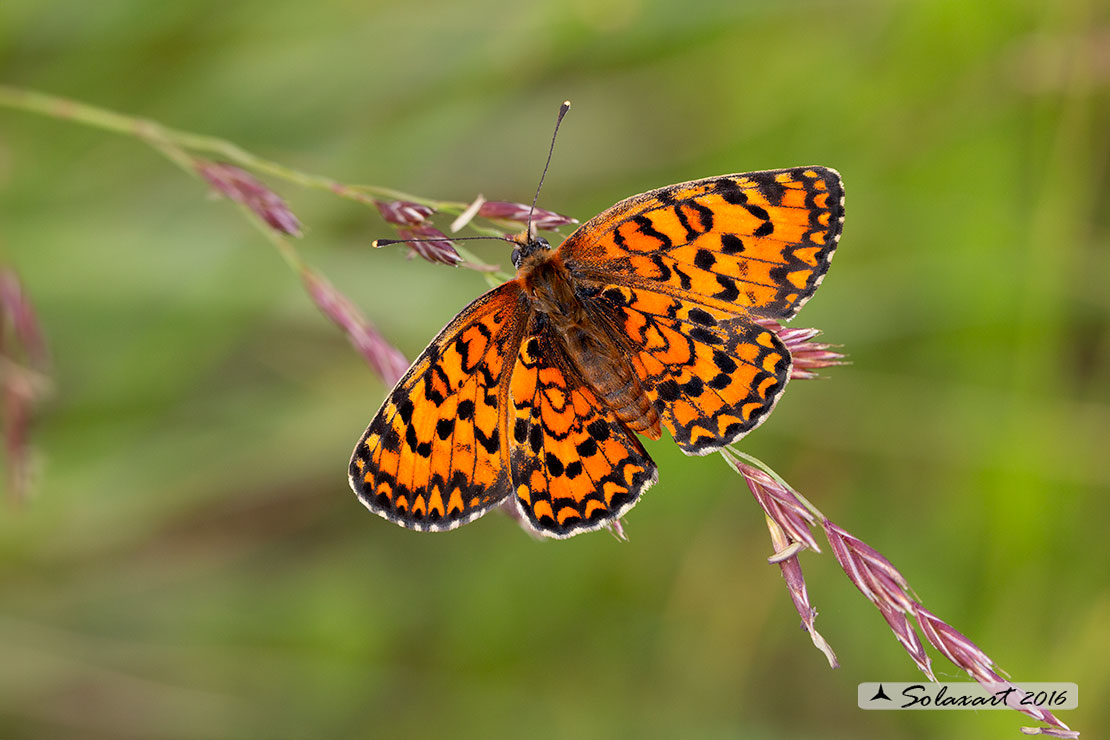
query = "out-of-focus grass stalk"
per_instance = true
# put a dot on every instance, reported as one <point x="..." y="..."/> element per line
<point x="178" y="146"/>
<point x="162" y="137"/>
<point x="789" y="517"/>
<point x="24" y="381"/>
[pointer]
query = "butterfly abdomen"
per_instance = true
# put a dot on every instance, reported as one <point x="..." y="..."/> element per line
<point x="606" y="369"/>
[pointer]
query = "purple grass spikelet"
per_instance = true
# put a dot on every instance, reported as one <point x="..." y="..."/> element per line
<point x="243" y="187"/>
<point x="24" y="380"/>
<point x="808" y="355"/>
<point x="385" y="359"/>
<point x="789" y="517"/>
<point x="885" y="586"/>
<point x="499" y="210"/>
<point x="439" y="250"/>
<point x="411" y="220"/>
<point x="403" y="212"/>
<point x="789" y="522"/>
<point x="964" y="653"/>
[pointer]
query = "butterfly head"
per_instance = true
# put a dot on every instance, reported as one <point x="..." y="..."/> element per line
<point x="528" y="248"/>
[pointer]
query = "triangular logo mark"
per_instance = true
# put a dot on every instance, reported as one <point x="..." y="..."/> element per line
<point x="880" y="694"/>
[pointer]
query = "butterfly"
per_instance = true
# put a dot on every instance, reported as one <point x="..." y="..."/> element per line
<point x="642" y="319"/>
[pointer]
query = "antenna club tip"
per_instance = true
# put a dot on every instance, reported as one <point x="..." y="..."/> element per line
<point x="566" y="103"/>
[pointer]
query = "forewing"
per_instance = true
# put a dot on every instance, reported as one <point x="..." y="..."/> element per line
<point x="573" y="468"/>
<point x="761" y="241"/>
<point x="714" y="375"/>
<point x="436" y="455"/>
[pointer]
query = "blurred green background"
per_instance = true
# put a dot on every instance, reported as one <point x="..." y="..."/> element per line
<point x="193" y="564"/>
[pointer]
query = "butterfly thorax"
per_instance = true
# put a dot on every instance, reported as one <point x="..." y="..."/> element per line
<point x="586" y="340"/>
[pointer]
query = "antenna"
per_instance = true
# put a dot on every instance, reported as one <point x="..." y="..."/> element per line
<point x="562" y="112"/>
<point x="529" y="234"/>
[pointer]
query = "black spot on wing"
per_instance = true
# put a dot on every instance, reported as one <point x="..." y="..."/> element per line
<point x="615" y="296"/>
<point x="683" y="279"/>
<point x="693" y="387"/>
<point x="648" y="229"/>
<point x="728" y="291"/>
<point x="705" y="215"/>
<point x="487" y="377"/>
<point x="391" y="441"/>
<point x="685" y="223"/>
<point x="730" y="191"/>
<point x="731" y="244"/>
<point x="765" y="229"/>
<point x="430" y="391"/>
<point x="664" y="271"/>
<point x="554" y="464"/>
<point x="489" y="442"/>
<point x="769" y="187"/>
<point x="598" y="429"/>
<point x="758" y="211"/>
<point x="723" y="362"/>
<point x="705" y="336"/>
<point x="698" y="316"/>
<point x="704" y="259"/>
<point x="668" y="390"/>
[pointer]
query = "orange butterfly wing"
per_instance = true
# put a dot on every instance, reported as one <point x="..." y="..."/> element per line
<point x="712" y="374"/>
<point x="436" y="455"/>
<point x="574" y="468"/>
<point x="678" y="272"/>
<point x="758" y="242"/>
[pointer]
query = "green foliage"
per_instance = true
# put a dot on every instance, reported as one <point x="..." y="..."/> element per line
<point x="194" y="565"/>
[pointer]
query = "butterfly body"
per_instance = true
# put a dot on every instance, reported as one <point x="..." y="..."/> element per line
<point x="586" y="339"/>
<point x="640" y="320"/>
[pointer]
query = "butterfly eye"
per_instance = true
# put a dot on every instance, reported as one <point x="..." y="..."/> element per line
<point x="541" y="243"/>
<point x="516" y="257"/>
